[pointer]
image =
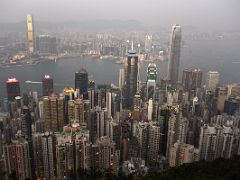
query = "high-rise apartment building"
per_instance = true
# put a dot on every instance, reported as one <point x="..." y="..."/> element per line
<point x="181" y="153"/>
<point x="17" y="159"/>
<point x="174" y="54"/>
<point x="49" y="159"/>
<point x="53" y="113"/>
<point x="102" y="153"/>
<point x="26" y="122"/>
<point x="215" y="142"/>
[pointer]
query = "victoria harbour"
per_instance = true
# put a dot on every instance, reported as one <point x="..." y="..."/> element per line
<point x="220" y="55"/>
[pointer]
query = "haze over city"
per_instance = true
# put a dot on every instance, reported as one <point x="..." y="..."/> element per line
<point x="204" y="14"/>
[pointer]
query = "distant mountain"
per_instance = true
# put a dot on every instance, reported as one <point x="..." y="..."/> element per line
<point x="91" y="25"/>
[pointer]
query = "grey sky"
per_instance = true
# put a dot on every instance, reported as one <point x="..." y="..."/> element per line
<point x="212" y="14"/>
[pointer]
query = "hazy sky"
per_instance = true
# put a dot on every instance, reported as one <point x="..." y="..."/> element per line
<point x="212" y="14"/>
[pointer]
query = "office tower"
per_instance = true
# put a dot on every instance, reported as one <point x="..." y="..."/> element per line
<point x="81" y="82"/>
<point x="131" y="78"/>
<point x="53" y="113"/>
<point x="13" y="88"/>
<point x="150" y="109"/>
<point x="17" y="159"/>
<point x="212" y="80"/>
<point x="46" y="45"/>
<point x="191" y="79"/>
<point x="232" y="105"/>
<point x="47" y="85"/>
<point x="26" y="123"/>
<point x="181" y="153"/>
<point x="151" y="81"/>
<point x="30" y="34"/>
<point x="148" y="43"/>
<point x="121" y="79"/>
<point x="174" y="54"/>
<point x="49" y="160"/>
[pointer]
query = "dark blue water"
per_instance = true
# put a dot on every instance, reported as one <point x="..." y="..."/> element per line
<point x="220" y="55"/>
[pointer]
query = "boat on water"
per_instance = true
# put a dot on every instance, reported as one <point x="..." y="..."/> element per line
<point x="119" y="62"/>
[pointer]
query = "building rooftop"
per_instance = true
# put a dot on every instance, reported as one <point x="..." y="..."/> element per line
<point x="10" y="80"/>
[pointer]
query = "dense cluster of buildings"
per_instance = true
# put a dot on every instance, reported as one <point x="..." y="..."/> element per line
<point x="130" y="129"/>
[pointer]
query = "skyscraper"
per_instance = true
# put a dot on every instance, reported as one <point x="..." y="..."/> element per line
<point x="26" y="123"/>
<point x="151" y="81"/>
<point x="181" y="153"/>
<point x="148" y="43"/>
<point x="49" y="161"/>
<point x="121" y="79"/>
<point x="191" y="79"/>
<point x="81" y="81"/>
<point x="53" y="113"/>
<point x="30" y="33"/>
<point x="212" y="80"/>
<point x="46" y="45"/>
<point x="17" y="159"/>
<point x="47" y="85"/>
<point x="174" y="54"/>
<point x="13" y="88"/>
<point x="131" y="78"/>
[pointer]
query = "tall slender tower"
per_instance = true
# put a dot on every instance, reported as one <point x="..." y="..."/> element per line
<point x="174" y="55"/>
<point x="30" y="33"/>
<point x="151" y="80"/>
<point x="131" y="78"/>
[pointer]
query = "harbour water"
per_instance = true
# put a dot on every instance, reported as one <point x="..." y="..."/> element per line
<point x="219" y="55"/>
